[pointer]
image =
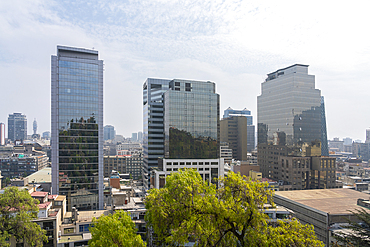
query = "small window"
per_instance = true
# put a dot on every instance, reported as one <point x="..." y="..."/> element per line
<point x="177" y="89"/>
<point x="177" y="84"/>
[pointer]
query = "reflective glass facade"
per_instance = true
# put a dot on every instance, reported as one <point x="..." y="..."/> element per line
<point x="289" y="106"/>
<point x="153" y="132"/>
<point x="17" y="127"/>
<point x="324" y="137"/>
<point x="77" y="127"/>
<point x="191" y="120"/>
<point x="181" y="117"/>
<point x="292" y="131"/>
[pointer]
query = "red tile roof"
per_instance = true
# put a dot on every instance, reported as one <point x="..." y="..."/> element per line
<point x="52" y="197"/>
<point x="44" y="205"/>
<point x="39" y="194"/>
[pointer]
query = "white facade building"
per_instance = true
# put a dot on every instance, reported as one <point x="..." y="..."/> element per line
<point x="209" y="169"/>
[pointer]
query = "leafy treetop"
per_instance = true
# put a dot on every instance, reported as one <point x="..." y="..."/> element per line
<point x="191" y="209"/>
<point x="115" y="230"/>
<point x="17" y="209"/>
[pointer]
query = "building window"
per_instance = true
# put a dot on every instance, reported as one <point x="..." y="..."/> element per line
<point x="84" y="228"/>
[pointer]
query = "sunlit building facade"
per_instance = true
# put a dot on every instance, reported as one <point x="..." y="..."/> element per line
<point x="292" y="139"/>
<point x="289" y="103"/>
<point x="77" y="127"/>
<point x="180" y="121"/>
<point x="17" y="127"/>
<point x="191" y="120"/>
<point x="153" y="131"/>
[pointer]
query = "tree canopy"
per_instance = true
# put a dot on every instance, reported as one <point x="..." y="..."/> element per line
<point x="190" y="209"/>
<point x="17" y="209"/>
<point x="115" y="230"/>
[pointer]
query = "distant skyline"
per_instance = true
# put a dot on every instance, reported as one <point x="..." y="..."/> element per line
<point x="232" y="43"/>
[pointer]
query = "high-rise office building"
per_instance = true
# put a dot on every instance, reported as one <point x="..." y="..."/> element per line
<point x="46" y="134"/>
<point x="290" y="105"/>
<point x="234" y="131"/>
<point x="191" y="120"/>
<point x="251" y="130"/>
<point x="229" y="112"/>
<point x="77" y="127"/>
<point x="134" y="137"/>
<point x="34" y="126"/>
<point x="181" y="121"/>
<point x="109" y="132"/>
<point x="17" y="127"/>
<point x="367" y="140"/>
<point x="140" y="136"/>
<point x="2" y="134"/>
<point x="153" y="131"/>
<point x="347" y="141"/>
<point x="292" y="125"/>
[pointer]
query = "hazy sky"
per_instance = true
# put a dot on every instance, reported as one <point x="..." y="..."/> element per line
<point x="233" y="43"/>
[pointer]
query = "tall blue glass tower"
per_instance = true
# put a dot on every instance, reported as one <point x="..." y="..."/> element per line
<point x="77" y="127"/>
<point x="324" y="136"/>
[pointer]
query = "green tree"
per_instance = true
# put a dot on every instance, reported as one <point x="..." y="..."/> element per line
<point x="6" y="181"/>
<point x="17" y="209"/>
<point x="359" y="231"/>
<point x="115" y="230"/>
<point x="190" y="209"/>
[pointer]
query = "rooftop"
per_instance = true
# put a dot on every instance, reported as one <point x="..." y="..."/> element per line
<point x="44" y="205"/>
<point x="73" y="238"/>
<point x="87" y="216"/>
<point x="60" y="198"/>
<point x="52" y="197"/>
<point x="333" y="201"/>
<point x="39" y="194"/>
<point x="42" y="176"/>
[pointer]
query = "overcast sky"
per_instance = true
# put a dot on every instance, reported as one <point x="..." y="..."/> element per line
<point x="233" y="43"/>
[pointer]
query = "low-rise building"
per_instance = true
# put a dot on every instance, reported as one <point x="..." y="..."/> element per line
<point x="255" y="176"/>
<point x="49" y="218"/>
<point x="209" y="169"/>
<point x="74" y="231"/>
<point x="322" y="208"/>
<point x="22" y="161"/>
<point x="299" y="168"/>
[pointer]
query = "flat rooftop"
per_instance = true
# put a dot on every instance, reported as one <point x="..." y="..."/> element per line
<point x="88" y="215"/>
<point x="333" y="201"/>
<point x="41" y="176"/>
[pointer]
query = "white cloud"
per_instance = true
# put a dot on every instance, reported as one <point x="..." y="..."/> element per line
<point x="233" y="43"/>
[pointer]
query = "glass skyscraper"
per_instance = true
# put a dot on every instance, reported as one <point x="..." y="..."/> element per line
<point x="292" y="139"/>
<point x="153" y="131"/>
<point x="17" y="127"/>
<point x="109" y="132"/>
<point x="191" y="120"/>
<point x="180" y="120"/>
<point x="77" y="127"/>
<point x="289" y="108"/>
